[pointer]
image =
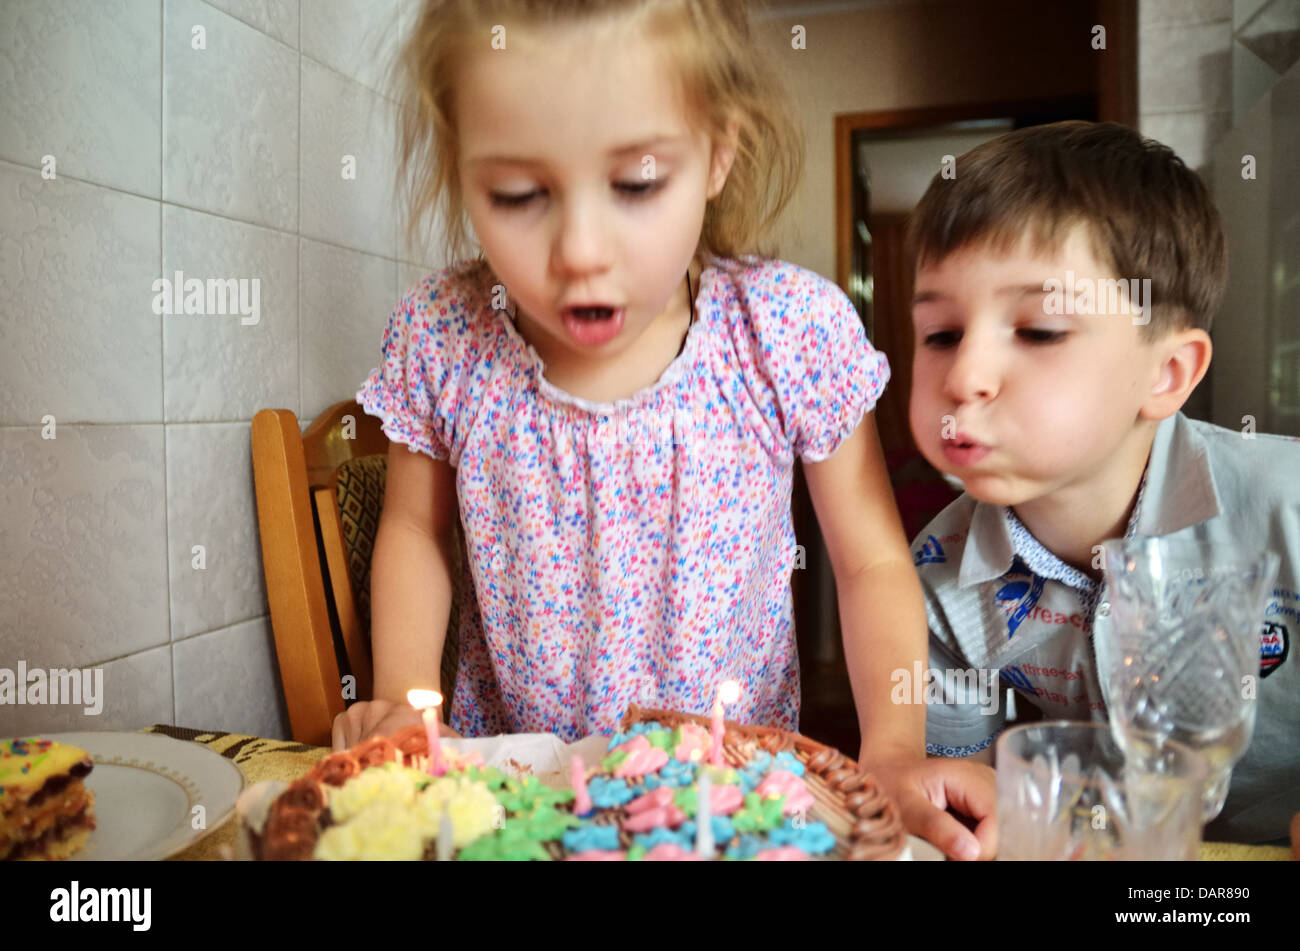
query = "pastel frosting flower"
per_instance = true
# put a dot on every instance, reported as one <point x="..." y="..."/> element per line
<point x="591" y="836"/>
<point x="385" y="831"/>
<point x="621" y="737"/>
<point x="693" y="743"/>
<point x="371" y="786"/>
<point x="814" y="838"/>
<point x="723" y="830"/>
<point x="607" y="793"/>
<point x="783" y="783"/>
<point x="660" y="835"/>
<point x="672" y="773"/>
<point x="746" y="847"/>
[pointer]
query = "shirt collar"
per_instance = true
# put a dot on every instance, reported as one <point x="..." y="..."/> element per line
<point x="1177" y="491"/>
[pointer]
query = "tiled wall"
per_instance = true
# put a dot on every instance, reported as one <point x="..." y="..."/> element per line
<point x="223" y="162"/>
<point x="1185" y="74"/>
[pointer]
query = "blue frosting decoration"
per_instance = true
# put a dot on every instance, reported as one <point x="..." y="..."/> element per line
<point x="673" y="773"/>
<point x="788" y="761"/>
<point x="609" y="793"/>
<point x="592" y="836"/>
<point x="661" y="834"/>
<point x="723" y="830"/>
<point x="621" y="737"/>
<point x="814" y="838"/>
<point x="746" y="847"/>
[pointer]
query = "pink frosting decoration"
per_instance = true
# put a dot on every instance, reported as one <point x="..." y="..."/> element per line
<point x="648" y="819"/>
<point x="782" y="782"/>
<point x="656" y="798"/>
<point x="634" y="745"/>
<point x="671" y="852"/>
<point x="597" y="855"/>
<point x="725" y="800"/>
<point x="694" y="745"/>
<point x="641" y="762"/>
<point x="782" y="853"/>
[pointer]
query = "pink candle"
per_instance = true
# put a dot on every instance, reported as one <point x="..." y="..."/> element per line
<point x="582" y="804"/>
<point x="728" y="692"/>
<point x="427" y="702"/>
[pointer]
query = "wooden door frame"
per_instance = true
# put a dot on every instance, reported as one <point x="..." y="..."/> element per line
<point x="846" y="125"/>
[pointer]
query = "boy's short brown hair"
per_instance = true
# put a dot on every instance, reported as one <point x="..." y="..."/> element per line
<point x="1147" y="214"/>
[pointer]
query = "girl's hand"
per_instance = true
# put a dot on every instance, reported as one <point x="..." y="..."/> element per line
<point x="377" y="718"/>
<point x="929" y="791"/>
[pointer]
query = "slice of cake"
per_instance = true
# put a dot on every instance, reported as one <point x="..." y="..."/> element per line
<point x="776" y="796"/>
<point x="46" y="811"/>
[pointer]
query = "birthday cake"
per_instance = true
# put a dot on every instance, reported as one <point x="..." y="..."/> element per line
<point x="46" y="811"/>
<point x="776" y="796"/>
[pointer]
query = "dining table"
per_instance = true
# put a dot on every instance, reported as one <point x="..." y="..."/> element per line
<point x="262" y="758"/>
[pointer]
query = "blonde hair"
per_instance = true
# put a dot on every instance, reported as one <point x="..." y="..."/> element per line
<point x="723" y="74"/>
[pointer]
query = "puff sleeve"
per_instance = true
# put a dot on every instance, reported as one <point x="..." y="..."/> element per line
<point x="417" y="387"/>
<point x="815" y="354"/>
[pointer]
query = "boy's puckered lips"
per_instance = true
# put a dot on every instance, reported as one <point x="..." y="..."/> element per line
<point x="964" y="450"/>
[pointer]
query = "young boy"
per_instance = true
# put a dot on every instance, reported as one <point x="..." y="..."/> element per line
<point x="1054" y="393"/>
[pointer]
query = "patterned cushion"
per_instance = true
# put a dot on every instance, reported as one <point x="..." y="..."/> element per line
<point x="361" y="500"/>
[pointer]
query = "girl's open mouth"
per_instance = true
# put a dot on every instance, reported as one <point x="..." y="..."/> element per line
<point x="593" y="326"/>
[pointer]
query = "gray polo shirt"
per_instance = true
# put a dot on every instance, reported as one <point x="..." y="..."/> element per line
<point x="998" y="600"/>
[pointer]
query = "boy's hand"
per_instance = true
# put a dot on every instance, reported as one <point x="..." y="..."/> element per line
<point x="377" y="718"/>
<point x="925" y="788"/>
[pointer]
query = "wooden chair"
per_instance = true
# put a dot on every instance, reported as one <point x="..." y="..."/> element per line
<point x="319" y="497"/>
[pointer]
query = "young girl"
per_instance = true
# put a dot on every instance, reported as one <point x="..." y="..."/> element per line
<point x="612" y="397"/>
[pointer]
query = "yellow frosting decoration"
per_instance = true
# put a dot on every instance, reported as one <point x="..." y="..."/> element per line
<point x="468" y="802"/>
<point x="380" y="814"/>
<point x="378" y="784"/>
<point x="384" y="831"/>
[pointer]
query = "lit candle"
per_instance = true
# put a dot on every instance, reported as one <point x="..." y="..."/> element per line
<point x="728" y="692"/>
<point x="427" y="702"/>
<point x="446" y="838"/>
<point x="704" y="818"/>
<point x="582" y="805"/>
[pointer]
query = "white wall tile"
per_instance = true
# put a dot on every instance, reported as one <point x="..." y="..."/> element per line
<point x="1161" y="12"/>
<point x="77" y="265"/>
<point x="357" y="38"/>
<point x="1190" y="134"/>
<point x="1184" y="66"/>
<point x="277" y="18"/>
<point x="341" y="118"/>
<point x="136" y="693"/>
<point x="230" y="680"/>
<point x="82" y="83"/>
<point x="83" y="570"/>
<point x="347" y="298"/>
<point x="230" y="129"/>
<point x="224" y="367"/>
<point x="210" y="503"/>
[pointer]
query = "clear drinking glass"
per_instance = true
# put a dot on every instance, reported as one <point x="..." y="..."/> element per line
<point x="1066" y="790"/>
<point x="1178" y="657"/>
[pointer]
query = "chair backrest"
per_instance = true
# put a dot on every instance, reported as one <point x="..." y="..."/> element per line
<point x="319" y="498"/>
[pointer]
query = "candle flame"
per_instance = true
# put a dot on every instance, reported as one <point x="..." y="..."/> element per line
<point x="729" y="691"/>
<point x="420" y="699"/>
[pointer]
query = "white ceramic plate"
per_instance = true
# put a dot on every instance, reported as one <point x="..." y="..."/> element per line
<point x="146" y="789"/>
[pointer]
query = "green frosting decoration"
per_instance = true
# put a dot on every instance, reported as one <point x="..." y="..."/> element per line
<point x="662" y="739"/>
<point x="613" y="761"/>
<point x="545" y="824"/>
<point x="685" y="800"/>
<point x="758" y="815"/>
<point x="527" y="794"/>
<point x="509" y="844"/>
<point x="636" y="853"/>
<point x="492" y="777"/>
